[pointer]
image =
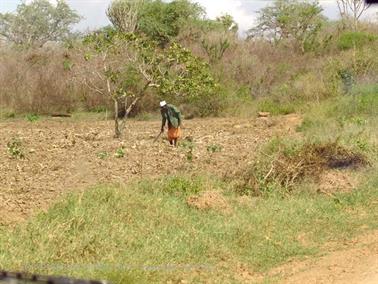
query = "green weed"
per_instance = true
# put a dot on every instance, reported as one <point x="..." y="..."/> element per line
<point x="6" y="114"/>
<point x="120" y="153"/>
<point x="32" y="117"/>
<point x="15" y="150"/>
<point x="189" y="146"/>
<point x="102" y="155"/>
<point x="213" y="148"/>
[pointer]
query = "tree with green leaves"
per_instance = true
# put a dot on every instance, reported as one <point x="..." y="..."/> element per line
<point x="163" y="21"/>
<point x="159" y="20"/>
<point x="124" y="14"/>
<point x="228" y="23"/>
<point x="291" y="20"/>
<point x="125" y="65"/>
<point x="218" y="37"/>
<point x="36" y="23"/>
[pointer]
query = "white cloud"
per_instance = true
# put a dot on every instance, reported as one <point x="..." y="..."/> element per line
<point x="93" y="12"/>
<point x="241" y="15"/>
<point x="244" y="11"/>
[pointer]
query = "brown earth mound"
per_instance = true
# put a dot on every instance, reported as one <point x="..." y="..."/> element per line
<point x="209" y="200"/>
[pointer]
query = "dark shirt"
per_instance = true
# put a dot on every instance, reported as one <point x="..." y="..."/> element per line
<point x="172" y="115"/>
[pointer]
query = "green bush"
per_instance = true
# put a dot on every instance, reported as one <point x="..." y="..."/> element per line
<point x="174" y="185"/>
<point x="349" y="40"/>
<point x="363" y="102"/>
<point x="276" y="107"/>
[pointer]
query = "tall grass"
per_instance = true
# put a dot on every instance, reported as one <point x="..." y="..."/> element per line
<point x="352" y="119"/>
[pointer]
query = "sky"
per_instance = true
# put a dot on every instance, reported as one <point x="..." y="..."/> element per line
<point x="243" y="11"/>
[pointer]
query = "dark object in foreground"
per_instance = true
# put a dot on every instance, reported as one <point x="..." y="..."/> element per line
<point x="371" y="1"/>
<point x="26" y="278"/>
<point x="157" y="137"/>
<point x="61" y="115"/>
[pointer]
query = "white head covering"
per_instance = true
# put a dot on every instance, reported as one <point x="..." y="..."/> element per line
<point x="163" y="103"/>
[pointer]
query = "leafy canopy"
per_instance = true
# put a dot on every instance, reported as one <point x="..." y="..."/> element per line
<point x="174" y="70"/>
<point x="38" y="22"/>
<point x="159" y="20"/>
<point x="295" y="20"/>
<point x="162" y="21"/>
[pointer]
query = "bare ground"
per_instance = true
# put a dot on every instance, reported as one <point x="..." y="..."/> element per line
<point x="356" y="262"/>
<point x="62" y="155"/>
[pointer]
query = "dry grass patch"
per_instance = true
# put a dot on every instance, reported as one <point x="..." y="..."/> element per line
<point x="290" y="165"/>
<point x="209" y="200"/>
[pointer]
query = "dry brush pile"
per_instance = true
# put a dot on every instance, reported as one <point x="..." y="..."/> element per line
<point x="287" y="167"/>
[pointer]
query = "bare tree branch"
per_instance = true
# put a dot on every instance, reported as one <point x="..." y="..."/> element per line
<point x="352" y="9"/>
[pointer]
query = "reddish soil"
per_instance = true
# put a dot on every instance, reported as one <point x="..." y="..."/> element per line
<point x="62" y="155"/>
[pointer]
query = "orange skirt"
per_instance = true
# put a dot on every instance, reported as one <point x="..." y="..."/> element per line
<point x="174" y="133"/>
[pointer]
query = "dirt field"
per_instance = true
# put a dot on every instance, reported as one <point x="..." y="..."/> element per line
<point x="63" y="155"/>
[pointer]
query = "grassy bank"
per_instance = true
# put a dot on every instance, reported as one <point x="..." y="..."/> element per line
<point x="147" y="231"/>
<point x="350" y="119"/>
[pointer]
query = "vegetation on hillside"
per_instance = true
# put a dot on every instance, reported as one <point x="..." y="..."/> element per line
<point x="289" y="60"/>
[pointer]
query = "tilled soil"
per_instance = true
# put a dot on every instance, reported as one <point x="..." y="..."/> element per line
<point x="63" y="155"/>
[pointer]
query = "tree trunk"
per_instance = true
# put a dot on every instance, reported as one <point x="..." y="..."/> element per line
<point x="120" y="125"/>
<point x="117" y="132"/>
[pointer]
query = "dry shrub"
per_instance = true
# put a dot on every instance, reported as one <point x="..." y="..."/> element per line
<point x="312" y="160"/>
<point x="35" y="81"/>
<point x="263" y="66"/>
<point x="41" y="81"/>
<point x="310" y="86"/>
<point x="289" y="167"/>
